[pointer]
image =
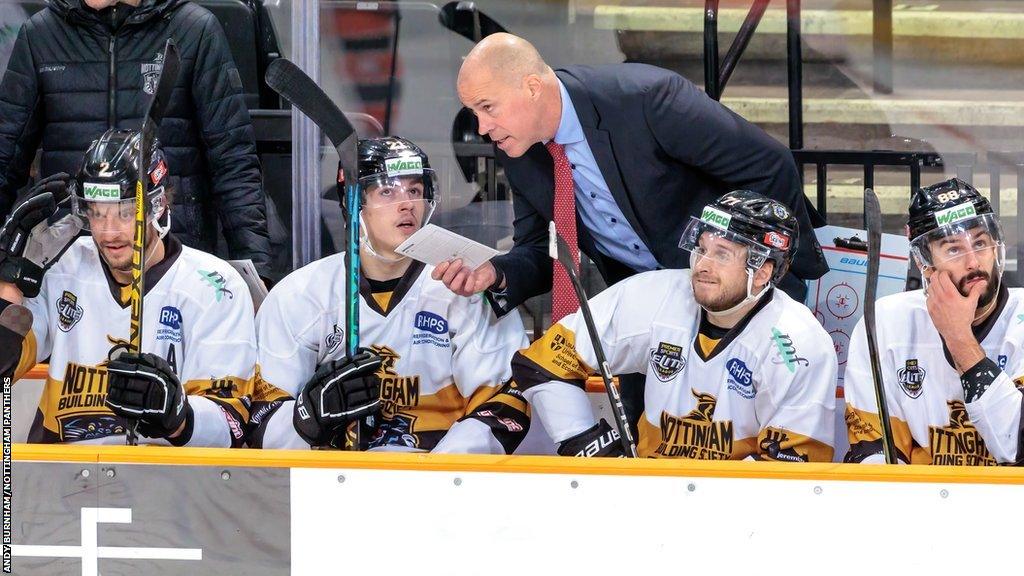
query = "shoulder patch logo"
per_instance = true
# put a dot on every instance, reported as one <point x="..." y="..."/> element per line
<point x="911" y="378"/>
<point x="667" y="361"/>
<point x="170" y="324"/>
<point x="68" y="311"/>
<point x="217" y="281"/>
<point x="333" y="340"/>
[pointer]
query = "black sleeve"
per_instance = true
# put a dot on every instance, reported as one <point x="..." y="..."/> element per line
<point x="527" y="267"/>
<point x="20" y="124"/>
<point x="230" y="146"/>
<point x="15" y="323"/>
<point x="725" y="146"/>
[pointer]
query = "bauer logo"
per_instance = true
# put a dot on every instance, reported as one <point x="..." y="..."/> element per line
<point x="716" y="217"/>
<point x="68" y="311"/>
<point x="403" y="166"/>
<point x="955" y="214"/>
<point x="741" y="379"/>
<point x="667" y="361"/>
<point x="431" y="322"/>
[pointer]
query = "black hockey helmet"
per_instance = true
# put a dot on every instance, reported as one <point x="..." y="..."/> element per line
<point x="110" y="170"/>
<point x="766" y="227"/>
<point x="952" y="208"/>
<point x="384" y="161"/>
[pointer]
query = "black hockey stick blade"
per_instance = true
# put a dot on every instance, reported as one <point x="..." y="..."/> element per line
<point x="288" y="80"/>
<point x="873" y="221"/>
<point x="466" y="20"/>
<point x="560" y="251"/>
<point x="164" y="86"/>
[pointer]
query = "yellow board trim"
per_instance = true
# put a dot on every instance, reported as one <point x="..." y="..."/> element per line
<point x="163" y="455"/>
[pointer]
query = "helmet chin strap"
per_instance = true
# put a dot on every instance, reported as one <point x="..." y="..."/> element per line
<point x="750" y="297"/>
<point x="364" y="240"/>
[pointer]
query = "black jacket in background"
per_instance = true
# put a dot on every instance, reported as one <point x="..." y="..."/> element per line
<point x="71" y="77"/>
<point x="665" y="150"/>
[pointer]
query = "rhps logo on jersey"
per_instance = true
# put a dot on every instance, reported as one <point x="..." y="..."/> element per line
<point x="216" y="281"/>
<point x="405" y="166"/>
<point x="911" y="378"/>
<point x="955" y="214"/>
<point x="776" y="240"/>
<point x="170" y="324"/>
<point x="431" y="322"/>
<point x="716" y="217"/>
<point x="740" y="378"/>
<point x="667" y="361"/>
<point x="68" y="311"/>
<point x="333" y="340"/>
<point x="785" y="351"/>
<point x="151" y="73"/>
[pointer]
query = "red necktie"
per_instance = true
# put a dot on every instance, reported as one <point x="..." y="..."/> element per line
<point x="563" y="298"/>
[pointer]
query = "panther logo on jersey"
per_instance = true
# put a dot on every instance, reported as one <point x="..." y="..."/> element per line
<point x="68" y="311"/>
<point x="667" y="361"/>
<point x="396" y="392"/>
<point x="911" y="378"/>
<point x="696" y="435"/>
<point x="151" y="74"/>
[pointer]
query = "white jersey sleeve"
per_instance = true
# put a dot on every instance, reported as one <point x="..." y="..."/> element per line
<point x="217" y="372"/>
<point x="494" y="423"/>
<point x="554" y="369"/>
<point x="997" y="413"/>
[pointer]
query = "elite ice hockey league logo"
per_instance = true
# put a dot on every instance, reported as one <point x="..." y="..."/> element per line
<point x="911" y="378"/>
<point x="68" y="311"/>
<point x="667" y="361"/>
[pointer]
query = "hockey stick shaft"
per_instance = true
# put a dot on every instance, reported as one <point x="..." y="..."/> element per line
<point x="560" y="251"/>
<point x="873" y="221"/>
<point x="288" y="80"/>
<point x="150" y="122"/>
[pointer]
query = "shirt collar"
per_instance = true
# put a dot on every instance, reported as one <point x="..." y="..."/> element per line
<point x="569" y="130"/>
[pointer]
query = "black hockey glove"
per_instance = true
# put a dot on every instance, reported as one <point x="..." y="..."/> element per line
<point x="144" y="387"/>
<point x="29" y="244"/>
<point x="339" y="392"/>
<point x="599" y="441"/>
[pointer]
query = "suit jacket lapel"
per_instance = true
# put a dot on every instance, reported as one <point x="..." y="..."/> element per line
<point x="600" y="144"/>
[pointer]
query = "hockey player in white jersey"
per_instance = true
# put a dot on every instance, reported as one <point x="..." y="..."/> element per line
<point x="950" y="353"/>
<point x="735" y="368"/>
<point x="198" y="342"/>
<point x="432" y="375"/>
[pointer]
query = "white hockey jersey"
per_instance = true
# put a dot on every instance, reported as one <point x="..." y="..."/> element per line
<point x="446" y="358"/>
<point x="197" y="315"/>
<point x="766" y="391"/>
<point x="930" y="423"/>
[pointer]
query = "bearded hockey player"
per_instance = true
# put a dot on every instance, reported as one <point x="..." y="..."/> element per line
<point x="950" y="353"/>
<point x="735" y="368"/>
<point x="431" y="376"/>
<point x="198" y="340"/>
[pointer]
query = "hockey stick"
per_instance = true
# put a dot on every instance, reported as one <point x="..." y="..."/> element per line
<point x="560" y="251"/>
<point x="150" y="123"/>
<point x="294" y="85"/>
<point x="467" y="21"/>
<point x="873" y="222"/>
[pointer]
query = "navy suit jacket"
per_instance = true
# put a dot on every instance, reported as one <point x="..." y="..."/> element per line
<point x="665" y="150"/>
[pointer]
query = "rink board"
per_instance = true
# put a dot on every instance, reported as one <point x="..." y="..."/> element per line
<point x="155" y="510"/>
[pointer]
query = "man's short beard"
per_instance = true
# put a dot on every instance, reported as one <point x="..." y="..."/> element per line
<point x="990" y="288"/>
<point x="723" y="301"/>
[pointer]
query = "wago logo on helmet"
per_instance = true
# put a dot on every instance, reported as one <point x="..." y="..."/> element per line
<point x="955" y="214"/>
<point x="403" y="166"/>
<point x="101" y="191"/>
<point x="716" y="217"/>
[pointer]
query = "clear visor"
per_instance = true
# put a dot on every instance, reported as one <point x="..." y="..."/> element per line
<point x="381" y="190"/>
<point x="979" y="237"/>
<point x="114" y="215"/>
<point x="703" y="240"/>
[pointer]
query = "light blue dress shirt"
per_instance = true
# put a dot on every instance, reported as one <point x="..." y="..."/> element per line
<point x="595" y="204"/>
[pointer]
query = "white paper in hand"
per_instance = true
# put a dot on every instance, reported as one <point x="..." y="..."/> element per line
<point x="433" y="245"/>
